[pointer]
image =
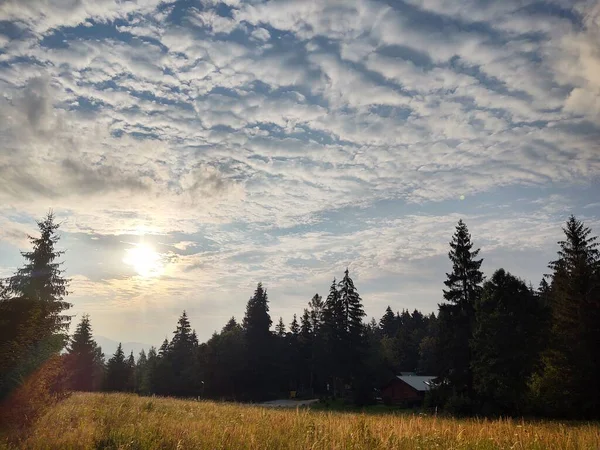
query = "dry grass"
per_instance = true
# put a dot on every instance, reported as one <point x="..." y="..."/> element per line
<point x="115" y="421"/>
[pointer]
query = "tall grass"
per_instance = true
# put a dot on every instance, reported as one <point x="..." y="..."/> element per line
<point x="119" y="421"/>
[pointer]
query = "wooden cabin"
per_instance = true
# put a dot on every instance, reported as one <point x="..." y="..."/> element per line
<point x="408" y="390"/>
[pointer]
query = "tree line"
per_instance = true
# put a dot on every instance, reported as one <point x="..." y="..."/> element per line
<point x="496" y="346"/>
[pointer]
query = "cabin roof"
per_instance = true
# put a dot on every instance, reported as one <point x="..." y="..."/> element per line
<point x="420" y="383"/>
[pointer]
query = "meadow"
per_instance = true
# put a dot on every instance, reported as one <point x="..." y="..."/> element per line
<point x="125" y="421"/>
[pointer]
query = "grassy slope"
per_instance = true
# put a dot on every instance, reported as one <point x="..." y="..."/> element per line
<point x="93" y="421"/>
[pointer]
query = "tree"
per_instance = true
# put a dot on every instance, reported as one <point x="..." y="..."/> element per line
<point x="131" y="381"/>
<point x="32" y="303"/>
<point x="315" y="306"/>
<point x="85" y="360"/>
<point x="224" y="360"/>
<point x="140" y="372"/>
<point x="388" y="323"/>
<point x="162" y="375"/>
<point x="230" y="325"/>
<point x="505" y="343"/>
<point x="568" y="384"/>
<point x="294" y="327"/>
<point x="457" y="316"/>
<point x="259" y="344"/>
<point x="353" y="310"/>
<point x="428" y="361"/>
<point x="355" y="343"/>
<point x="147" y="372"/>
<point x="334" y="337"/>
<point x="280" y="328"/>
<point x="181" y="358"/>
<point x="117" y="372"/>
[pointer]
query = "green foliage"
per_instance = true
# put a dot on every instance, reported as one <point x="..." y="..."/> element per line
<point x="118" y="372"/>
<point x="457" y="315"/>
<point x="33" y="326"/>
<point x="259" y="346"/>
<point x="505" y="344"/>
<point x="388" y="323"/>
<point x="85" y="360"/>
<point x="568" y="382"/>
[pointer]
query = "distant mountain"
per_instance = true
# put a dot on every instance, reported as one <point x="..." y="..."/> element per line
<point x="109" y="346"/>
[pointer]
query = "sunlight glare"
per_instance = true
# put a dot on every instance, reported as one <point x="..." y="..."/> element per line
<point x="144" y="260"/>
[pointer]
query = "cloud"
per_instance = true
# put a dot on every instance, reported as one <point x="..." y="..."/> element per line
<point x="275" y="130"/>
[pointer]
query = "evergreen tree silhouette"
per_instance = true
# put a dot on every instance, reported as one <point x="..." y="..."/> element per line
<point x="569" y="382"/>
<point x="32" y="305"/>
<point x="259" y="345"/>
<point x="85" y="359"/>
<point x="457" y="317"/>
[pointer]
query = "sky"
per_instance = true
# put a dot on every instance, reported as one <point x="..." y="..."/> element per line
<point x="191" y="149"/>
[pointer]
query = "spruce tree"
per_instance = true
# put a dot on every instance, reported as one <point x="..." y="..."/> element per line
<point x="306" y="342"/>
<point x="280" y="328"/>
<point x="353" y="311"/>
<point x="334" y="339"/>
<point x="294" y="327"/>
<point x="181" y="357"/>
<point x="388" y="323"/>
<point x="117" y="372"/>
<point x="41" y="280"/>
<point x="257" y="323"/>
<point x="141" y="366"/>
<point x="231" y="325"/>
<point x="306" y="329"/>
<point x="505" y="344"/>
<point x="457" y="317"/>
<point x="315" y="307"/>
<point x="85" y="359"/>
<point x="131" y="380"/>
<point x="355" y="344"/>
<point x="32" y="305"/>
<point x="569" y="382"/>
<point x="162" y="376"/>
<point x="148" y="376"/>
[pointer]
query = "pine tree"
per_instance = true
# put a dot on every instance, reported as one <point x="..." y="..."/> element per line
<point x="181" y="357"/>
<point x="506" y="317"/>
<point x="41" y="280"/>
<point x="131" y="380"/>
<point x="569" y="382"/>
<point x="334" y="338"/>
<point x="117" y="372"/>
<point x="306" y="342"/>
<point x="141" y="366"/>
<point x="388" y="323"/>
<point x="257" y="324"/>
<point x="162" y="376"/>
<point x="280" y="328"/>
<point x="148" y="372"/>
<point x="428" y="357"/>
<point x="32" y="304"/>
<point x="306" y="328"/>
<point x="316" y="306"/>
<point x="230" y="325"/>
<point x="353" y="310"/>
<point x="355" y="344"/>
<point x="457" y="316"/>
<point x="294" y="327"/>
<point x="85" y="359"/>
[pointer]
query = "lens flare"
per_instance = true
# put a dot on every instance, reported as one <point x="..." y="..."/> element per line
<point x="146" y="261"/>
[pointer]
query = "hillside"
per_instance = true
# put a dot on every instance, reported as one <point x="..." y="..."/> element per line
<point x="94" y="421"/>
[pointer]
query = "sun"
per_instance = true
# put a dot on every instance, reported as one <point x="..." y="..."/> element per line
<point x="146" y="261"/>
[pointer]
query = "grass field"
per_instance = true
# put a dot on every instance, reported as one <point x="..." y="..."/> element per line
<point x="119" y="421"/>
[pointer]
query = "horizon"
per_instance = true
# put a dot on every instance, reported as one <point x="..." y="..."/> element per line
<point x="193" y="149"/>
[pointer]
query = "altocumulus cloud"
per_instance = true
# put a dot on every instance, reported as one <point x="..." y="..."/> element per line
<point x="283" y="140"/>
